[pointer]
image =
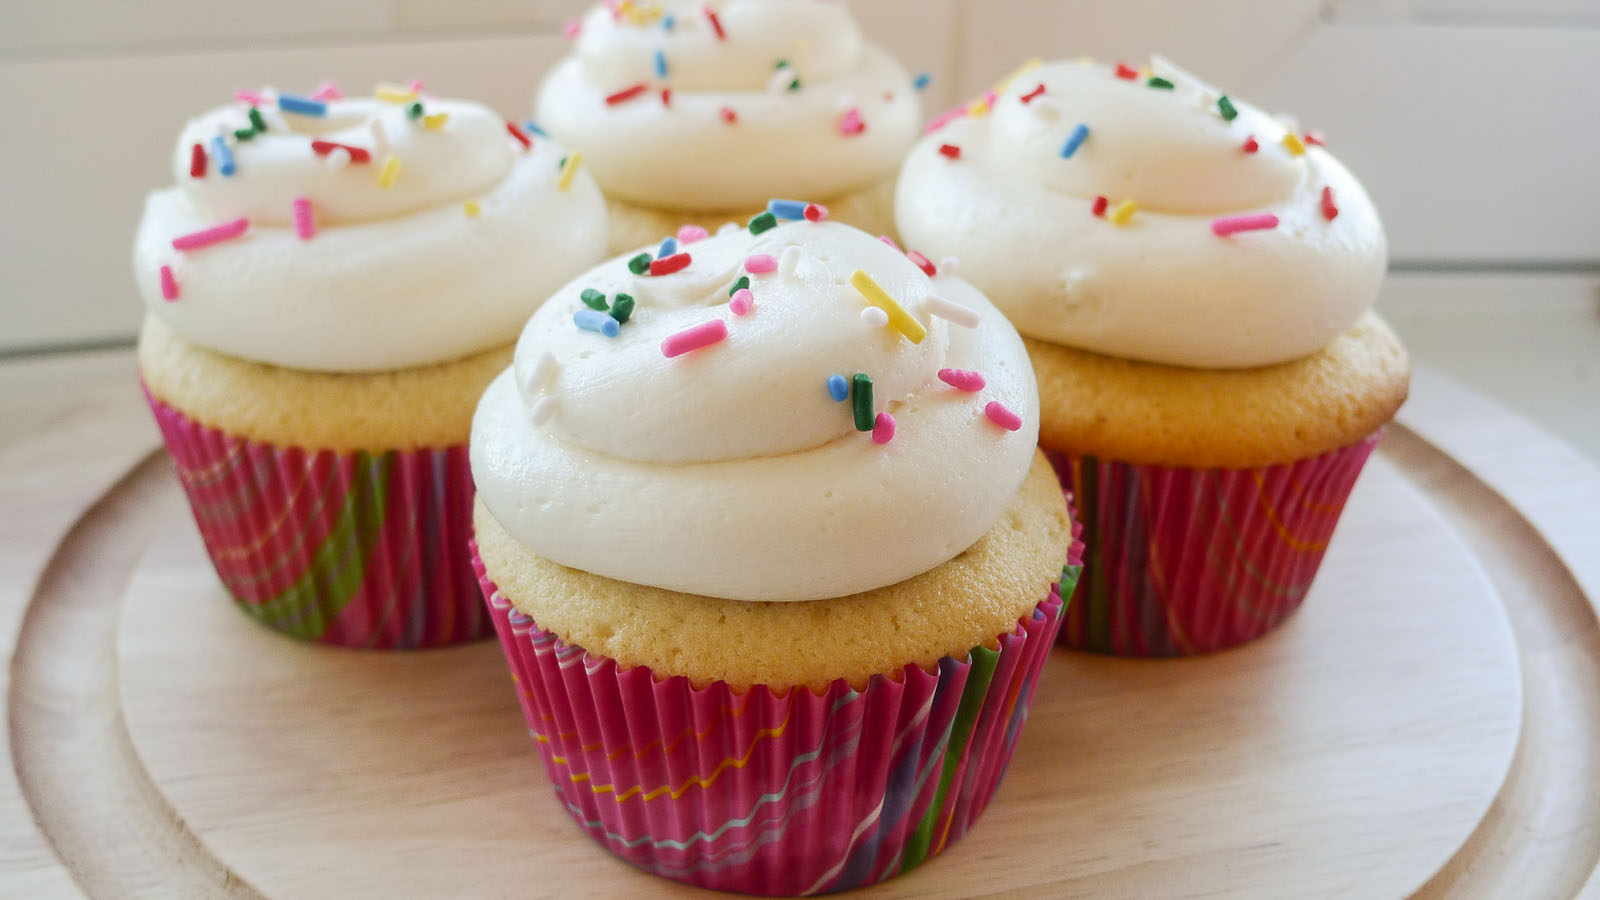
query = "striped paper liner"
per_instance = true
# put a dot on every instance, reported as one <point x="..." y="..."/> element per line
<point x="358" y="549"/>
<point x="777" y="793"/>
<point x="1185" y="561"/>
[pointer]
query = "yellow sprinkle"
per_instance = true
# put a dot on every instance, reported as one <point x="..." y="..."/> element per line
<point x="1025" y="68"/>
<point x="1292" y="142"/>
<point x="470" y="207"/>
<point x="391" y="171"/>
<point x="1122" y="212"/>
<point x="978" y="108"/>
<point x="435" y="121"/>
<point x="569" y="169"/>
<point x="392" y="94"/>
<point x="903" y="322"/>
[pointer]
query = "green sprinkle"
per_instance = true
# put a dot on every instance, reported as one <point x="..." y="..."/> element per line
<point x="1225" y="106"/>
<point x="794" y="85"/>
<point x="244" y="134"/>
<point x="639" y="264"/>
<point x="256" y="121"/>
<point x="622" y="308"/>
<point x="763" y="222"/>
<point x="782" y="64"/>
<point x="414" y="111"/>
<point x="593" y="299"/>
<point x="861" y="401"/>
<point x="741" y="284"/>
<point x="1161" y="83"/>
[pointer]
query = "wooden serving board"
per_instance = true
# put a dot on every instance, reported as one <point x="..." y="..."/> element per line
<point x="1428" y="724"/>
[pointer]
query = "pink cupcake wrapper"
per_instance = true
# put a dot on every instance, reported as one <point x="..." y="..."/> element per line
<point x="1184" y="561"/>
<point x="354" y="549"/>
<point x="777" y="793"/>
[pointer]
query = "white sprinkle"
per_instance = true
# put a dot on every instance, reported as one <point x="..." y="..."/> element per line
<point x="874" y="316"/>
<point x="1046" y="108"/>
<point x="780" y="80"/>
<point x="338" y="158"/>
<point x="380" y="137"/>
<point x="542" y="410"/>
<point x="728" y="228"/>
<point x="964" y="316"/>
<point x="544" y="369"/>
<point x="788" y="262"/>
<point x="949" y="266"/>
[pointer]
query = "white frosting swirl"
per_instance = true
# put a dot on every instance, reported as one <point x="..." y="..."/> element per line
<point x="684" y="154"/>
<point x="730" y="471"/>
<point x="394" y="276"/>
<point x="1163" y="287"/>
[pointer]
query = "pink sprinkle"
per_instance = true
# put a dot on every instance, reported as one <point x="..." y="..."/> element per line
<point x="216" y="234"/>
<point x="944" y="119"/>
<point x="850" y="123"/>
<point x="251" y="97"/>
<point x="571" y="28"/>
<point x="743" y="301"/>
<point x="1000" y="415"/>
<point x="169" y="284"/>
<point x="304" y="225"/>
<point x="888" y="240"/>
<point x="1227" y="225"/>
<point x="327" y="91"/>
<point x="816" y="212"/>
<point x="883" y="428"/>
<point x="703" y="335"/>
<point x="416" y="86"/>
<point x="962" y="380"/>
<point x="989" y="98"/>
<point x="688" y="234"/>
<point x="760" y="263"/>
<point x="729" y="116"/>
<point x="923" y="263"/>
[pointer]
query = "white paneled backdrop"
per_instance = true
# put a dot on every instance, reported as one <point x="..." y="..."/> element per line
<point x="1475" y="123"/>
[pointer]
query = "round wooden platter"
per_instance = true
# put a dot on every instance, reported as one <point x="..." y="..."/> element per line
<point x="1429" y="724"/>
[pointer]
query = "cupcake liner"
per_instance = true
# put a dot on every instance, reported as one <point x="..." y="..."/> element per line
<point x="775" y="792"/>
<point x="355" y="549"/>
<point x="1184" y="561"/>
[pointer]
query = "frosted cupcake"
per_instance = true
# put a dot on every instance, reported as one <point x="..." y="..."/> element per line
<point x="1195" y="280"/>
<point x="329" y="287"/>
<point x="697" y="113"/>
<point x="773" y="556"/>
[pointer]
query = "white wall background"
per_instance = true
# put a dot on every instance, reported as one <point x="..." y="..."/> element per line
<point x="1475" y="123"/>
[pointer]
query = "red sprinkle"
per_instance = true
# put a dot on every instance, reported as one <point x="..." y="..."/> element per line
<point x="1127" y="72"/>
<point x="666" y="265"/>
<point x="1000" y="415"/>
<point x="716" y="24"/>
<point x="357" y="154"/>
<point x="1329" y="211"/>
<point x="815" y="212"/>
<point x="1100" y="204"/>
<point x="666" y="96"/>
<point x="1028" y="97"/>
<point x="922" y="262"/>
<point x="729" y="116"/>
<point x="1250" y="145"/>
<point x="949" y="150"/>
<point x="626" y="94"/>
<point x="1313" y="139"/>
<point x="523" y="139"/>
<point x="197" y="161"/>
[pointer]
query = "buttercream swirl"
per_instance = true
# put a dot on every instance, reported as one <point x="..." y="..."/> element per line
<point x="428" y="239"/>
<point x="731" y="132"/>
<point x="1017" y="205"/>
<point x="731" y="471"/>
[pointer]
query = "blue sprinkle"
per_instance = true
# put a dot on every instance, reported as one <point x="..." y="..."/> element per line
<point x="838" y="388"/>
<point x="787" y="209"/>
<point x="668" y="247"/>
<point x="303" y="105"/>
<point x="595" y="320"/>
<point x="922" y="80"/>
<point x="533" y="127"/>
<point x="669" y="22"/>
<point x="1074" y="140"/>
<point x="661" y="64"/>
<point x="219" y="149"/>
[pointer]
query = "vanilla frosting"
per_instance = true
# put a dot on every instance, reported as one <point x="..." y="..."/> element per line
<point x="444" y="257"/>
<point x="730" y="470"/>
<point x="1016" y="204"/>
<point x="730" y="133"/>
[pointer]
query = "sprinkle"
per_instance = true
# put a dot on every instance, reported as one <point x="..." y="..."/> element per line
<point x="729" y="116"/>
<point x="661" y="64"/>
<point x="950" y="151"/>
<point x="216" y="234"/>
<point x="622" y="307"/>
<point x="389" y="93"/>
<point x="788" y="262"/>
<point x="677" y="262"/>
<point x="197" y="161"/>
<point x="883" y="428"/>
<point x="523" y="139"/>
<point x="327" y="91"/>
<point x="1099" y="207"/>
<point x="219" y="147"/>
<point x="243" y="134"/>
<point x="1313" y="139"/>
<point x="1031" y="95"/>
<point x="875" y="317"/>
<point x="1000" y="415"/>
<point x="1329" y="211"/>
<point x="903" y="322"/>
<point x="669" y="22"/>
<point x="304" y="225"/>
<point x="741" y="284"/>
<point x="690" y="339"/>
<point x="921" y="81"/>
<point x="471" y="208"/>
<point x="760" y="263"/>
<point x="532" y="127"/>
<point x="1159" y="83"/>
<point x="666" y="96"/>
<point x="788" y="210"/>
<point x="338" y="158"/>
<point x="626" y="94"/>
<point x="1250" y="145"/>
<point x="1074" y="140"/>
<point x="569" y="169"/>
<point x="640" y="264"/>
<point x="782" y="79"/>
<point x="354" y="154"/>
<point x="596" y="321"/>
<point x="1122" y="212"/>
<point x="850" y="123"/>
<point x="303" y="106"/>
<point x="594" y="299"/>
<point x="944" y="118"/>
<point x="1226" y="225"/>
<point x="763" y="222"/>
<point x="949" y="265"/>
<point x="950" y="311"/>
<point x="542" y="410"/>
<point x="169" y="285"/>
<point x="923" y="263"/>
<point x="743" y="301"/>
<point x="1293" y="144"/>
<point x="571" y="28"/>
<point x="962" y="380"/>
<point x="391" y="171"/>
<point x="256" y="121"/>
<point x="544" y="369"/>
<point x="816" y="212"/>
<point x="688" y="234"/>
<point x="1226" y="108"/>
<point x="861" y="401"/>
<point x="716" y="24"/>
<point x="435" y="121"/>
<point x="250" y="97"/>
<point x="838" y="388"/>
<point x="885" y="239"/>
<point x="380" y="135"/>
<point x="1126" y="72"/>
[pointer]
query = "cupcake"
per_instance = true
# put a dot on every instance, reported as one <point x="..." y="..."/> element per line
<point x="1194" y="279"/>
<point x="772" y="555"/>
<point x="328" y="289"/>
<point x="693" y="112"/>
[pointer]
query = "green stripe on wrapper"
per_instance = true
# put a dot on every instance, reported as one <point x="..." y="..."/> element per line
<point x="972" y="699"/>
